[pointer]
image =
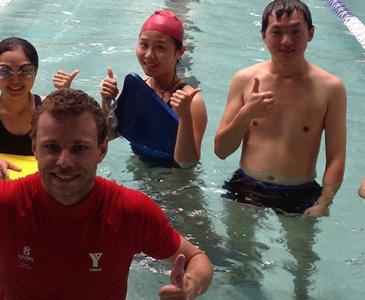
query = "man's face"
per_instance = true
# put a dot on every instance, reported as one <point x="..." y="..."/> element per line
<point x="68" y="153"/>
<point x="287" y="37"/>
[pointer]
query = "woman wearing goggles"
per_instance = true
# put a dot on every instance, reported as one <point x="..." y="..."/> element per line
<point x="18" y="70"/>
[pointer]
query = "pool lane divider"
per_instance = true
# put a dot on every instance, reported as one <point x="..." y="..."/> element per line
<point x="354" y="25"/>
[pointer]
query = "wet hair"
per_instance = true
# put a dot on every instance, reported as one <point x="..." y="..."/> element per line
<point x="282" y="7"/>
<point x="178" y="44"/>
<point x="13" y="43"/>
<point x="70" y="102"/>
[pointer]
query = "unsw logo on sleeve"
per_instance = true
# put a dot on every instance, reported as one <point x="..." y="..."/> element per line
<point x="25" y="259"/>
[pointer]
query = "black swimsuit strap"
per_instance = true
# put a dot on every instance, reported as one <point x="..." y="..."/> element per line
<point x="37" y="101"/>
<point x="181" y="85"/>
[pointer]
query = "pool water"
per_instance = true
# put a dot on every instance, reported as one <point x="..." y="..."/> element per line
<point x="257" y="254"/>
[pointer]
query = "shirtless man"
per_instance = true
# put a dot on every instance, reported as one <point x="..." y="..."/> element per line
<point x="278" y="110"/>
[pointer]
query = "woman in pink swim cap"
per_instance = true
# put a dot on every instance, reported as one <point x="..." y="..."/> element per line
<point x="159" y="49"/>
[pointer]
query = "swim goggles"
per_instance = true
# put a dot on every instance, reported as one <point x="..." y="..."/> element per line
<point x="25" y="71"/>
<point x="111" y="118"/>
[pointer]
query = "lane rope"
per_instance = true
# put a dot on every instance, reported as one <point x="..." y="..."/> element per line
<point x="354" y="25"/>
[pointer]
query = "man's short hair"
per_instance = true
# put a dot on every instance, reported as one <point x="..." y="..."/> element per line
<point x="70" y="102"/>
<point x="281" y="7"/>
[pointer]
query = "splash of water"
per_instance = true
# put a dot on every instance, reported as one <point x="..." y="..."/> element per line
<point x="4" y="4"/>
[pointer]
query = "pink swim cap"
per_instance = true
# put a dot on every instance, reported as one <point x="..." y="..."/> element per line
<point x="165" y="21"/>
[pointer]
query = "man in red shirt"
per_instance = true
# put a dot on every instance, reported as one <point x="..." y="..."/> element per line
<point x="67" y="234"/>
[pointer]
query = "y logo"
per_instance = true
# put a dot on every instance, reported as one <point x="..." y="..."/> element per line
<point x="95" y="257"/>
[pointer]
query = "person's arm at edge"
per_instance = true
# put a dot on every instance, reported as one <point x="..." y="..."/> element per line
<point x="361" y="190"/>
<point x="190" y="132"/>
<point x="234" y="123"/>
<point x="6" y="165"/>
<point x="335" y="137"/>
<point x="194" y="279"/>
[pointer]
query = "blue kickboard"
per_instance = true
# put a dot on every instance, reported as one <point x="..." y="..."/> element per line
<point x="148" y="123"/>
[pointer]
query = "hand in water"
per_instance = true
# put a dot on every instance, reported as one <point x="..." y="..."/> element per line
<point x="180" y="286"/>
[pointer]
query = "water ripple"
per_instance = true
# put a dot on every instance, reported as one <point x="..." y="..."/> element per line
<point x="359" y="261"/>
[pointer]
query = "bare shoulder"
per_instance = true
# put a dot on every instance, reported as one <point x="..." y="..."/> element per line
<point x="331" y="90"/>
<point x="326" y="78"/>
<point x="198" y="108"/>
<point x="329" y="86"/>
<point x="256" y="70"/>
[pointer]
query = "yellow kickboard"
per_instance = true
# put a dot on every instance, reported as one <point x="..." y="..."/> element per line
<point x="27" y="163"/>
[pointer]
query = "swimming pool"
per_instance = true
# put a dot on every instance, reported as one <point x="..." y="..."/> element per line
<point x="257" y="254"/>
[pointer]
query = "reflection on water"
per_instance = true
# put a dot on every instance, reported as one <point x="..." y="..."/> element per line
<point x="255" y="237"/>
<point x="180" y="194"/>
<point x="258" y="243"/>
<point x="180" y="7"/>
<point x="300" y="236"/>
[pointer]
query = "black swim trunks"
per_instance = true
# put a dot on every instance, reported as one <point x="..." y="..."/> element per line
<point x="282" y="198"/>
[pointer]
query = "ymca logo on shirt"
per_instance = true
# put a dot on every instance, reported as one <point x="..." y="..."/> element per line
<point x="25" y="259"/>
<point x="95" y="257"/>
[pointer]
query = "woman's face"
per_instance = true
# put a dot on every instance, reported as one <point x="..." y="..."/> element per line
<point x="17" y="74"/>
<point x="157" y="53"/>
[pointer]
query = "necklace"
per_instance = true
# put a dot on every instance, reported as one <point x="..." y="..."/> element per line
<point x="170" y="89"/>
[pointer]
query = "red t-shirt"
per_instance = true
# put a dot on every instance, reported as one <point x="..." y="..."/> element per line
<point x="84" y="251"/>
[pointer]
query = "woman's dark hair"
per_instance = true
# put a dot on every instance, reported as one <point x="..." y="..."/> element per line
<point x="178" y="44"/>
<point x="13" y="43"/>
